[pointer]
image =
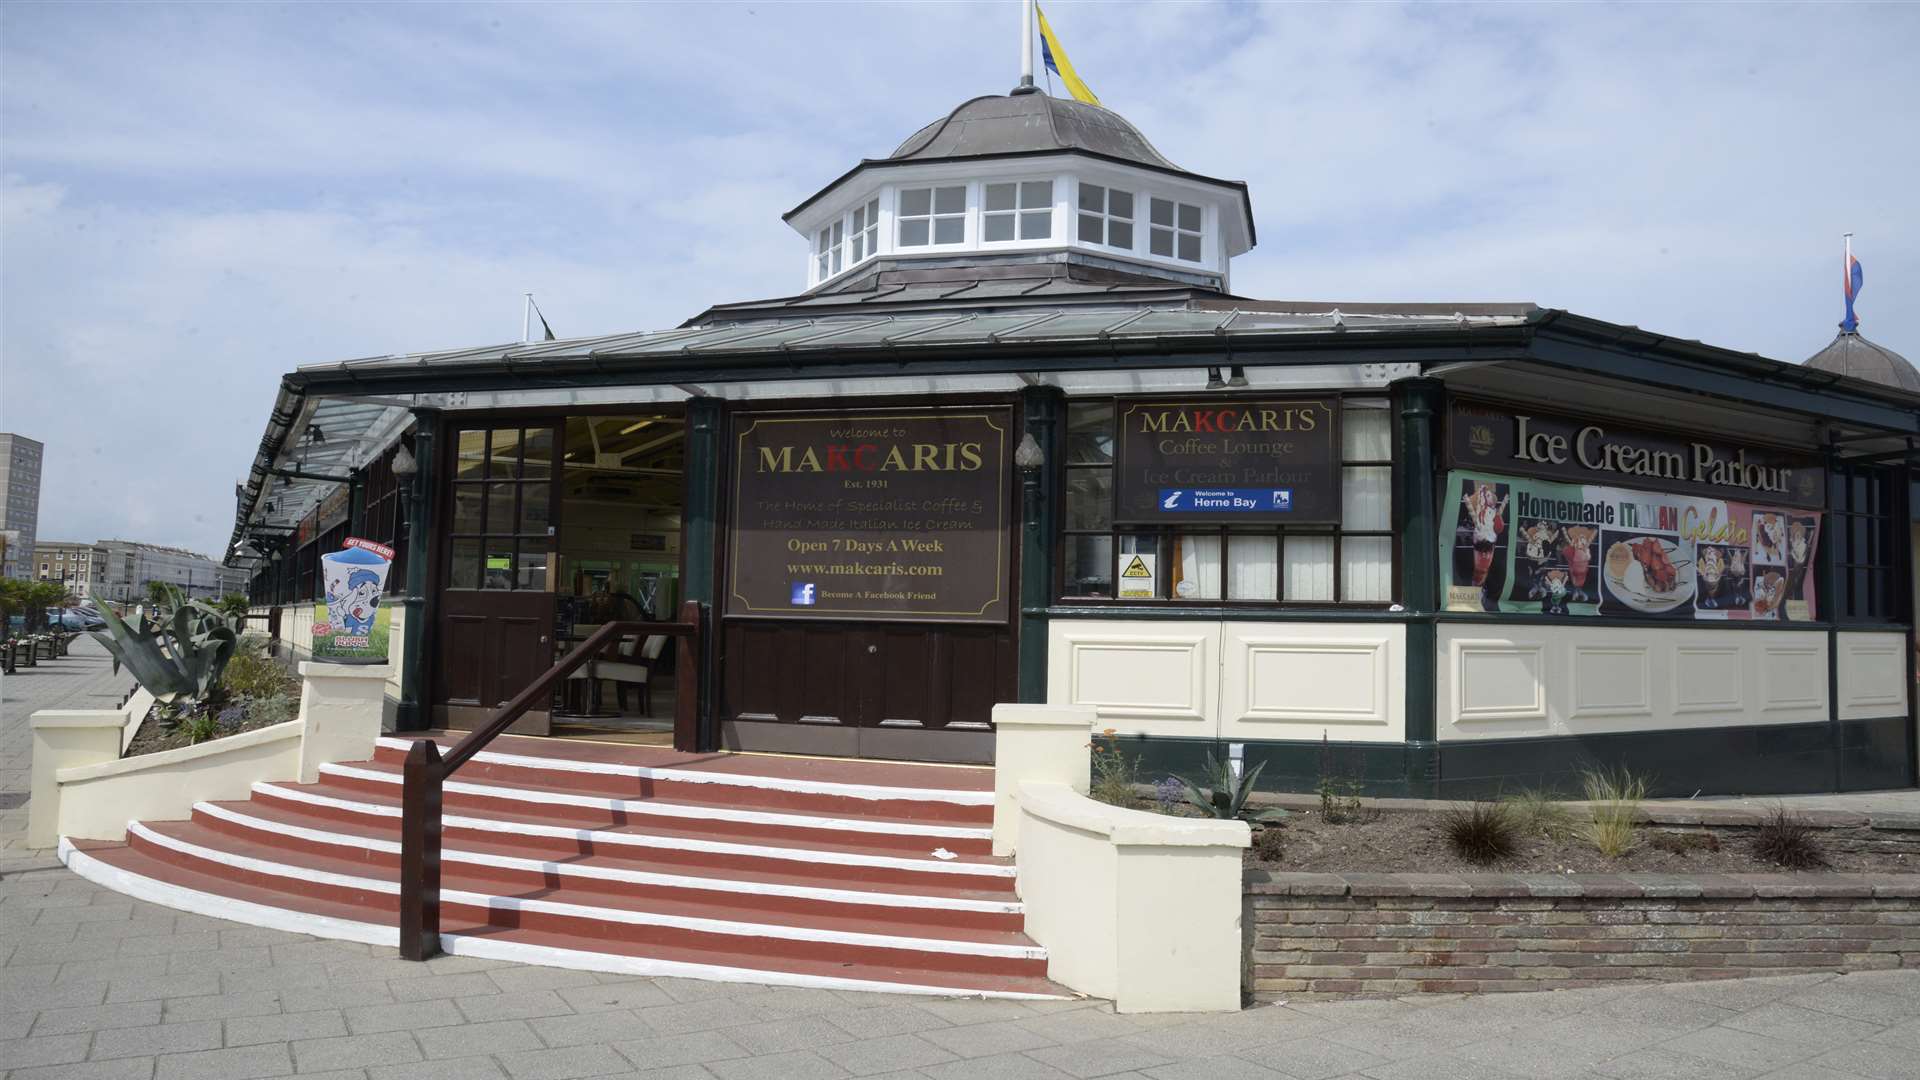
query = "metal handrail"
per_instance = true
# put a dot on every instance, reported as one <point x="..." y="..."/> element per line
<point x="425" y="771"/>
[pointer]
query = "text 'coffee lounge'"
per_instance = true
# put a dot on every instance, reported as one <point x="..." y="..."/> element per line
<point x="1014" y="437"/>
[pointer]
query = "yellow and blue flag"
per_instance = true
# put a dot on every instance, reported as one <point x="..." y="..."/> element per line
<point x="1057" y="62"/>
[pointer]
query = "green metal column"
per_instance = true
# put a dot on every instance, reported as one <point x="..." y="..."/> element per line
<point x="1419" y="401"/>
<point x="700" y="518"/>
<point x="413" y="712"/>
<point x="1042" y="408"/>
<point x="1827" y="590"/>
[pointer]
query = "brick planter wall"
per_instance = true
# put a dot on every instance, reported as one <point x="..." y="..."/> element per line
<point x="1406" y="933"/>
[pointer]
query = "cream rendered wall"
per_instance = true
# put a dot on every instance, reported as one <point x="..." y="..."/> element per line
<point x="1871" y="675"/>
<point x="1497" y="682"/>
<point x="1233" y="680"/>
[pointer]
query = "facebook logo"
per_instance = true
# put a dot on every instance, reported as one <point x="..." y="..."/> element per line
<point x="803" y="594"/>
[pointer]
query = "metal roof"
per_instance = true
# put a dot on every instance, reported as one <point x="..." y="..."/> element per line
<point x="1853" y="355"/>
<point x="1029" y="122"/>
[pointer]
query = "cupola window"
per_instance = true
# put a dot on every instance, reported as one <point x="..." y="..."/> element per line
<point x="933" y="215"/>
<point x="864" y="238"/>
<point x="1175" y="230"/>
<point x="1025" y="208"/>
<point x="1106" y="216"/>
<point x="827" y="250"/>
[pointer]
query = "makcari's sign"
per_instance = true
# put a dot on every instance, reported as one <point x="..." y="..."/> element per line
<point x="1519" y="439"/>
<point x="1227" y="461"/>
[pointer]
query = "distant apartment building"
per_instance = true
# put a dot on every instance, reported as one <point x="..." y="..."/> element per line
<point x="19" y="502"/>
<point x="120" y="570"/>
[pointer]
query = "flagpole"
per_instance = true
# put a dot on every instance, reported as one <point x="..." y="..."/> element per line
<point x="526" y="320"/>
<point x="1026" y="43"/>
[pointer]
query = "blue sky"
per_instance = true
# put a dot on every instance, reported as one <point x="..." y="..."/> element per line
<point x="195" y="199"/>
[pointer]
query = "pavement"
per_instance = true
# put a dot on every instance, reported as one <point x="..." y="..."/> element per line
<point x="95" y="986"/>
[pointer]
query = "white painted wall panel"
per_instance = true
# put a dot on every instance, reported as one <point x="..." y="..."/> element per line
<point x="1155" y="677"/>
<point x="1871" y="671"/>
<point x="1345" y="681"/>
<point x="1526" y="680"/>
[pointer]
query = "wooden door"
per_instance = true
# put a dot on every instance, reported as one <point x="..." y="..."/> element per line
<point x="882" y="690"/>
<point x="497" y="602"/>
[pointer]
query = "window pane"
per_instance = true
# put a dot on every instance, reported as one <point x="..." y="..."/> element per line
<point x="530" y="571"/>
<point x="1195" y="572"/>
<point x="997" y="226"/>
<point x="1035" y="193"/>
<point x="873" y="210"/>
<point x="466" y="508"/>
<point x="949" y="230"/>
<point x="1089" y="499"/>
<point x="839" y="230"/>
<point x="1090" y="229"/>
<point x="464" y="569"/>
<point x="1120" y="203"/>
<point x="1089" y="566"/>
<point x="472" y="455"/>
<point x="1092" y="197"/>
<point x="915" y="201"/>
<point x="1189" y="217"/>
<point x="1090" y="433"/>
<point x="1366" y="434"/>
<point x="821" y="242"/>
<point x="1189" y="247"/>
<point x="1148" y="545"/>
<point x="1366" y="498"/>
<point x="857" y="248"/>
<point x="913" y="233"/>
<point x="1160" y="242"/>
<point x="1253" y="566"/>
<point x="1036" y="224"/>
<point x="1309" y="568"/>
<point x="539" y="456"/>
<point x="836" y="260"/>
<point x="1001" y="196"/>
<point x="859" y="218"/>
<point x="500" y="517"/>
<point x="821" y="266"/>
<point x="504" y="452"/>
<point x="1162" y="211"/>
<point x="535" y="509"/>
<point x="1120" y="235"/>
<point x="1366" y="568"/>
<point x="950" y="200"/>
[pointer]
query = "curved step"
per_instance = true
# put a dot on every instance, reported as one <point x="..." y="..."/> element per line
<point x="376" y="852"/>
<point x="530" y="799"/>
<point x="684" y="843"/>
<point x="122" y="868"/>
<point x="599" y="916"/>
<point x="771" y="785"/>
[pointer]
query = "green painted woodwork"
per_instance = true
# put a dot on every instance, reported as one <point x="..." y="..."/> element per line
<point x="412" y="714"/>
<point x="1041" y="407"/>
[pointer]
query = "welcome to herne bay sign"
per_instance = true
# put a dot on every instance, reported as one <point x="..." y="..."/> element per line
<point x="891" y="514"/>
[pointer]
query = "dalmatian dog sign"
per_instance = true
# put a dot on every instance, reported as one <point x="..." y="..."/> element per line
<point x="350" y="626"/>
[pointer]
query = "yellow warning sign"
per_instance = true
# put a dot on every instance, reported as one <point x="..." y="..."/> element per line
<point x="1137" y="576"/>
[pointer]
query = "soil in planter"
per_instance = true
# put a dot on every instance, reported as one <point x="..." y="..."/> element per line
<point x="1411" y="842"/>
<point x="159" y="733"/>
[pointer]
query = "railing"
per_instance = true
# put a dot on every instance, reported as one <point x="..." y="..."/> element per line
<point x="424" y="775"/>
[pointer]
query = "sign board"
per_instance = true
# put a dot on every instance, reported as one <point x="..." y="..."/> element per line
<point x="1517" y="439"/>
<point x="1134" y="576"/>
<point x="1218" y="461"/>
<point x="886" y="514"/>
<point x="350" y="626"/>
<point x="1535" y="546"/>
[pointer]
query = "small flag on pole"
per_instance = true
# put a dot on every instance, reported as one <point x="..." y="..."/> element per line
<point x="542" y="316"/>
<point x="1056" y="60"/>
<point x="1851" y="283"/>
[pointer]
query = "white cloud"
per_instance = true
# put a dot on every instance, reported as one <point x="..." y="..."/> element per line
<point x="198" y="198"/>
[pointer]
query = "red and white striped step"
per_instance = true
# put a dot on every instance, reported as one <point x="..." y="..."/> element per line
<point x="628" y="859"/>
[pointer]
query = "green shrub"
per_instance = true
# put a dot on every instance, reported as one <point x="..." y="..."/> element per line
<point x="1616" y="795"/>
<point x="1114" y="772"/>
<point x="1339" y="790"/>
<point x="1786" y="840"/>
<point x="200" y="726"/>
<point x="1481" y="832"/>
<point x="1538" y="813"/>
<point x="252" y="673"/>
<point x="1223" y="794"/>
<point x="268" y="709"/>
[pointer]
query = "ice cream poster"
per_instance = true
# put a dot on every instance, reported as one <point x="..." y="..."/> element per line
<point x="350" y="625"/>
<point x="1544" y="548"/>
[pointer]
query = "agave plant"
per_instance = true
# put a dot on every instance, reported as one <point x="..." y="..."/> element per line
<point x="1224" y="794"/>
<point x="175" y="655"/>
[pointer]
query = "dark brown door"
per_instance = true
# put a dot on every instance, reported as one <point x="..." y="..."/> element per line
<point x="497" y="602"/>
<point x="882" y="690"/>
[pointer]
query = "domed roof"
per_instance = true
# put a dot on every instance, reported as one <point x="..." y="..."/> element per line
<point x="1850" y="354"/>
<point x="1030" y="122"/>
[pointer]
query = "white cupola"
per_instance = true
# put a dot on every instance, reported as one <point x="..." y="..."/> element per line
<point x="1020" y="174"/>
